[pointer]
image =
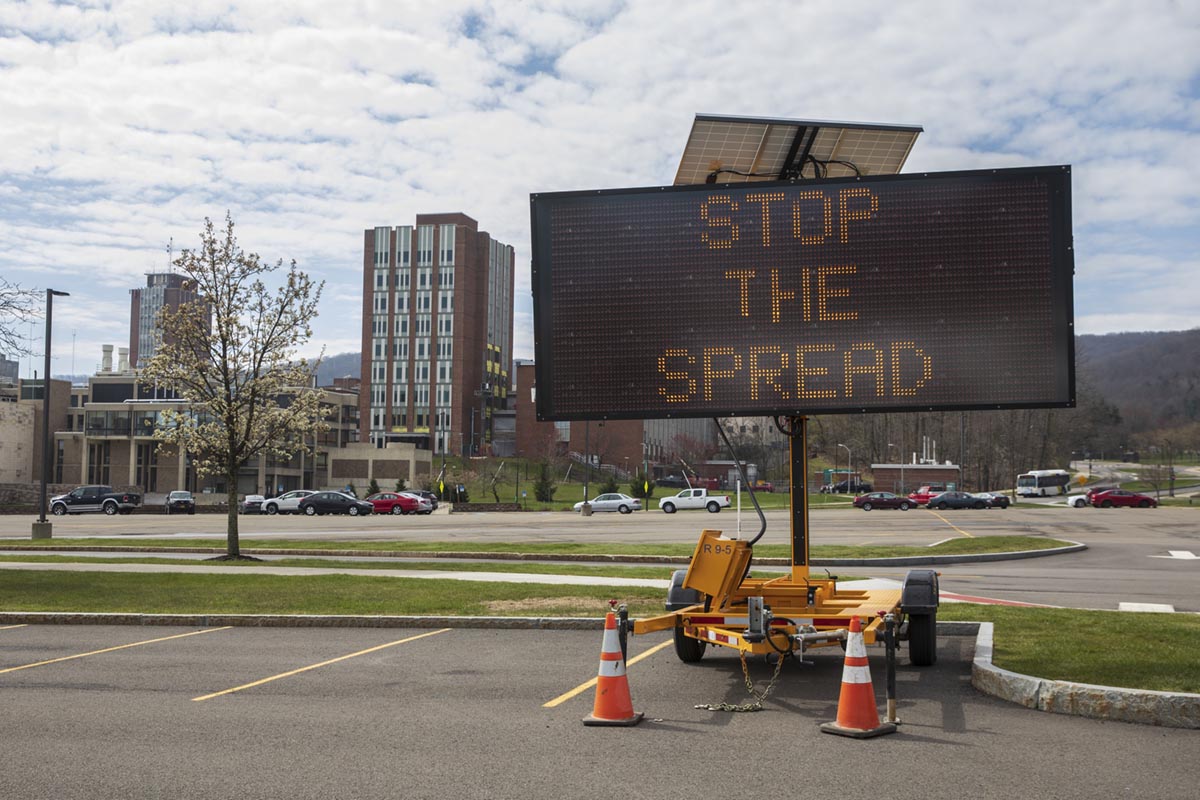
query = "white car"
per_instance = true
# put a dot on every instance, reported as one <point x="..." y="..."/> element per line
<point x="286" y="503"/>
<point x="613" y="501"/>
<point x="1077" y="500"/>
<point x="424" y="504"/>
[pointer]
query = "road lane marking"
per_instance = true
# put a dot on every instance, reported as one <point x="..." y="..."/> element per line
<point x="10" y="627"/>
<point x="583" y="687"/>
<point x="1152" y="608"/>
<point x="315" y="666"/>
<point x="1184" y="555"/>
<point x="951" y="524"/>
<point x="111" y="649"/>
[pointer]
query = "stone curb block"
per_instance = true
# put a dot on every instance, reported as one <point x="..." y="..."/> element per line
<point x="1169" y="709"/>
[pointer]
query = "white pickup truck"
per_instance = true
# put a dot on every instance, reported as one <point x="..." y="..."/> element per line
<point x="694" y="498"/>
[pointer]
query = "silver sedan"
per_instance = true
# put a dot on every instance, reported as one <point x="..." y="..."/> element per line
<point x="613" y="501"/>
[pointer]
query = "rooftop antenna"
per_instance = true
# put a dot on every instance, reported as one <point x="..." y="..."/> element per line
<point x="171" y="254"/>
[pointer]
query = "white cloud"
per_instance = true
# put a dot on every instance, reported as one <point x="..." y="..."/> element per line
<point x="126" y="123"/>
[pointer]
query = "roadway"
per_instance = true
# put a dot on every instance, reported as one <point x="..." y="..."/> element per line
<point x="421" y="713"/>
<point x="1129" y="557"/>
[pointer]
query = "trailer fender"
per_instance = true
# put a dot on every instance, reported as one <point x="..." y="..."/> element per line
<point x="679" y="598"/>
<point x="920" y="592"/>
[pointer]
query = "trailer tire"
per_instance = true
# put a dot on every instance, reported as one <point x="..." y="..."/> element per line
<point x="922" y="639"/>
<point x="688" y="649"/>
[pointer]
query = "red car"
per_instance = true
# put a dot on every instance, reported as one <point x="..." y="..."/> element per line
<point x="393" y="503"/>
<point x="1121" y="497"/>
<point x="882" y="500"/>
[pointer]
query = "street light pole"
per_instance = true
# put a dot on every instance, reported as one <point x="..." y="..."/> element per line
<point x="848" y="467"/>
<point x="42" y="529"/>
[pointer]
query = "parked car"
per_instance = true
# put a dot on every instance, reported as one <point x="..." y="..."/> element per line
<point x="671" y="482"/>
<point x="1078" y="500"/>
<point x="394" y="503"/>
<point x="1122" y="498"/>
<point x="849" y="486"/>
<point x="994" y="499"/>
<point x="424" y="504"/>
<point x="181" y="502"/>
<point x="430" y="496"/>
<point x="947" y="500"/>
<point x="882" y="500"/>
<point x="335" y="503"/>
<point x="694" y="498"/>
<point x="921" y="496"/>
<point x="252" y="504"/>
<point x="89" y="499"/>
<point x="286" y="503"/>
<point x="613" y="501"/>
<point x="764" y="486"/>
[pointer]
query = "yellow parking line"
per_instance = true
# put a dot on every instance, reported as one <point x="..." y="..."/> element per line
<point x="562" y="698"/>
<point x="315" y="666"/>
<point x="951" y="524"/>
<point x="10" y="627"/>
<point x="111" y="649"/>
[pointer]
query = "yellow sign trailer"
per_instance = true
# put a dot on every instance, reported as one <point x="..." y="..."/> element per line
<point x="716" y="602"/>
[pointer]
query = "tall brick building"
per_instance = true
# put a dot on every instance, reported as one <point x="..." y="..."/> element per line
<point x="162" y="290"/>
<point x="437" y="334"/>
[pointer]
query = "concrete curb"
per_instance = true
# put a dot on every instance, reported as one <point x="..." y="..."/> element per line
<point x="1168" y="709"/>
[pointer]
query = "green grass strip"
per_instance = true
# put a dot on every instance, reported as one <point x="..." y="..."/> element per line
<point x="179" y="593"/>
<point x="955" y="546"/>
<point x="1106" y="648"/>
<point x="444" y="565"/>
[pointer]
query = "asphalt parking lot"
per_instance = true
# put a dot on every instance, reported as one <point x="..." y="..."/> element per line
<point x="119" y="712"/>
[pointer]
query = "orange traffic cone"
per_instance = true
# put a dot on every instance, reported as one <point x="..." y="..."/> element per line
<point x="857" y="716"/>
<point x="613" y="704"/>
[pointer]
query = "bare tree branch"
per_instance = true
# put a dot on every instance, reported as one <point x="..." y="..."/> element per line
<point x="17" y="306"/>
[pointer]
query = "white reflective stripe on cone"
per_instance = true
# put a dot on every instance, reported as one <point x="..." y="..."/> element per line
<point x="610" y="644"/>
<point x="855" y="647"/>
<point x="614" y="669"/>
<point x="856" y="674"/>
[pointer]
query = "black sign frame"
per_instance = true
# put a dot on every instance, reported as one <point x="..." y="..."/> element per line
<point x="1038" y="198"/>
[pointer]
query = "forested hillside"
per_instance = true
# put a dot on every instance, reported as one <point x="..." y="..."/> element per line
<point x="1153" y="378"/>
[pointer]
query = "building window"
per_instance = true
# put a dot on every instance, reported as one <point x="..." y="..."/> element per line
<point x="424" y="245"/>
<point x="446" y="242"/>
<point x="99" y="458"/>
<point x="147" y="467"/>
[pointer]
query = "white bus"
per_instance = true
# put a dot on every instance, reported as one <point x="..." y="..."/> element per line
<point x="1043" y="482"/>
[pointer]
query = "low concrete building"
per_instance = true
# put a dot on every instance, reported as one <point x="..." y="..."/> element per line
<point x="906" y="478"/>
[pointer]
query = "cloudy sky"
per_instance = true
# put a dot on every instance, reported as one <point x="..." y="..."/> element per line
<point x="123" y="124"/>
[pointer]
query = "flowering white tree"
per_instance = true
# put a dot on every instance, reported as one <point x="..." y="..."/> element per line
<point x="230" y="355"/>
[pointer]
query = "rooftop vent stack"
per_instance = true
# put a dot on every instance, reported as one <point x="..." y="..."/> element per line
<point x="106" y="358"/>
<point x="122" y="359"/>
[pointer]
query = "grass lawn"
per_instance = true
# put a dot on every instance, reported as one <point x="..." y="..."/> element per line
<point x="956" y="546"/>
<point x="1107" y="648"/>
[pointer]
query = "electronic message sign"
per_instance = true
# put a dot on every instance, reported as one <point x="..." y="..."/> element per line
<point x="929" y="291"/>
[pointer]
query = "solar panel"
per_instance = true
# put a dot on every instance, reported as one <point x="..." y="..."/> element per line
<point x="738" y="149"/>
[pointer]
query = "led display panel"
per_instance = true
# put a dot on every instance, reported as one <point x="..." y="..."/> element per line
<point x="930" y="291"/>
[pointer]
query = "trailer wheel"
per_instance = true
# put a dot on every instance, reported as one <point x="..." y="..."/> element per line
<point x="688" y="649"/>
<point x="922" y="639"/>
